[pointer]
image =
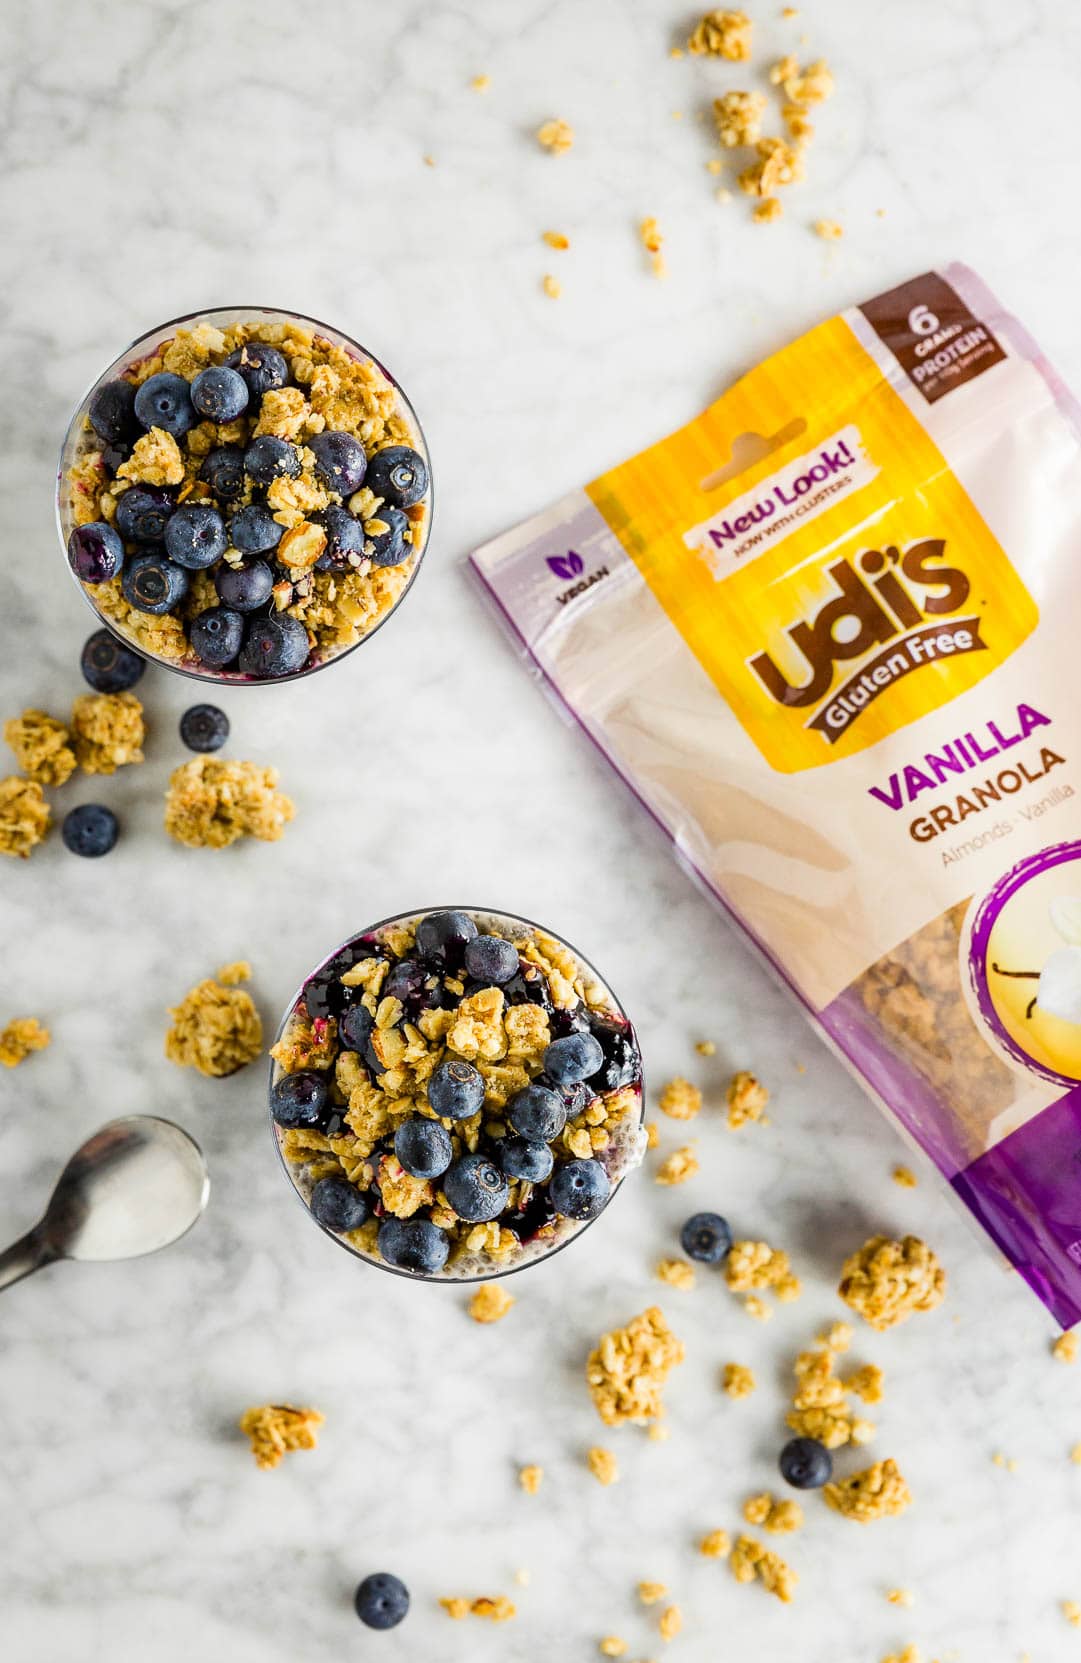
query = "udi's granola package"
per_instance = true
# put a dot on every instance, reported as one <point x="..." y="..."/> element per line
<point x="828" y="634"/>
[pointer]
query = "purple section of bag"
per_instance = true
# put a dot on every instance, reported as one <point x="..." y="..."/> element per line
<point x="1026" y="1192"/>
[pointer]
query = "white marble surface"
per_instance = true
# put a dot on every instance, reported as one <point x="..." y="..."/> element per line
<point x="158" y="156"/>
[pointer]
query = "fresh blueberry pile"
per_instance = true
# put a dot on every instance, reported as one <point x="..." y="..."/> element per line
<point x="515" y="1167"/>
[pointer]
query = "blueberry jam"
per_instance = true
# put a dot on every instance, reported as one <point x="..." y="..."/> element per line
<point x="482" y="1111"/>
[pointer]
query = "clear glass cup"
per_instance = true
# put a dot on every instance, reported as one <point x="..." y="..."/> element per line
<point x="79" y="439"/>
<point x="626" y="1150"/>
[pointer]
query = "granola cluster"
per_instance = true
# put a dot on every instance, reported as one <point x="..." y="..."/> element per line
<point x="752" y="1561"/>
<point x="886" y="1281"/>
<point x="722" y="34"/>
<point x="107" y="731"/>
<point x="275" y="1429"/>
<point x="779" y="1517"/>
<point x="335" y="587"/>
<point x="24" y="816"/>
<point x="820" y="1406"/>
<point x="754" y="1267"/>
<point x="42" y="747"/>
<point x="21" y="1036"/>
<point x="216" y="1027"/>
<point x="211" y="803"/>
<point x="680" y="1100"/>
<point x="497" y="1609"/>
<point x="627" y="1371"/>
<point x="878" y="1492"/>
<point x="747" y="1100"/>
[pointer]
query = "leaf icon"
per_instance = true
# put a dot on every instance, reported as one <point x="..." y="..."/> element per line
<point x="566" y="566"/>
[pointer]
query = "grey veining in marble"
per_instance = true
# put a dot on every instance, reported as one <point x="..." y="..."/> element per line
<point x="161" y="155"/>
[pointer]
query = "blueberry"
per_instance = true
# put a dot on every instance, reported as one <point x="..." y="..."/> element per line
<point x="151" y="583"/>
<point x="388" y="548"/>
<point x="219" y="393"/>
<point x="537" y="1113"/>
<point x="423" y="1147"/>
<point x="299" y="1099"/>
<point x="143" y="513"/>
<point x="413" y="1244"/>
<point x="114" y="456"/>
<point x="524" y="1158"/>
<point x="243" y="588"/>
<point x="165" y="401"/>
<point x="622" y="1060"/>
<point x="254" y="530"/>
<point x="204" y="728"/>
<point x="442" y="938"/>
<point x="338" y="1204"/>
<point x="195" y="536"/>
<point x="398" y="475"/>
<point x="475" y="1188"/>
<point x="223" y="471"/>
<point x="529" y="989"/>
<point x="491" y="960"/>
<point x="108" y="664"/>
<point x="573" y="1058"/>
<point x="216" y="636"/>
<point x="455" y="1090"/>
<point x="355" y="1028"/>
<point x="805" y="1463"/>
<point x="405" y="980"/>
<point x="268" y="458"/>
<point x="340" y="461"/>
<point x="276" y="646"/>
<point x="345" y="537"/>
<point x="89" y="829"/>
<point x="95" y="552"/>
<point x="112" y="412"/>
<point x="381" y="1600"/>
<point x="261" y="367"/>
<point x="706" y="1237"/>
<point x="579" y="1189"/>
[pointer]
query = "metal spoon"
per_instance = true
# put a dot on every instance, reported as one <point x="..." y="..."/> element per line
<point x="136" y="1185"/>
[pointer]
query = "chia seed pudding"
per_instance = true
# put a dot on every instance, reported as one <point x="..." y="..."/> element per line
<point x="244" y="495"/>
<point x="456" y="1094"/>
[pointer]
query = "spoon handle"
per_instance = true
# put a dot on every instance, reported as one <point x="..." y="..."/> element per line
<point x="28" y="1253"/>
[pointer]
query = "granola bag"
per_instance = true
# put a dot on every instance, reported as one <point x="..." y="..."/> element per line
<point x="827" y="633"/>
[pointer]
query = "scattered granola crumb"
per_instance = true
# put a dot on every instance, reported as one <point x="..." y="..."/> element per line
<point x="1075" y="1455"/>
<point x="812" y="85"/>
<point x="429" y="161"/>
<point x="789" y="11"/>
<point x="22" y="1035"/>
<point x="481" y="83"/>
<point x="651" y="1592"/>
<point x="866" y="1383"/>
<point x="497" y="1610"/>
<point x="830" y="230"/>
<point x="911" y="1654"/>
<point x="649" y="231"/>
<point x="777" y="164"/>
<point x="603" y="1465"/>
<point x="777" y="1516"/>
<point x="41" y="746"/>
<point x="876" y="1493"/>
<point x="714" y="166"/>
<point x="837" y="1337"/>
<point x="556" y="136"/>
<point x="551" y="286"/>
<point x="216" y="1029"/>
<point x="653" y="1136"/>
<point x="670" y="1622"/>
<point x="555" y="239"/>
<point x="659" y="1433"/>
<point x="277" y="1428"/>
<point x="747" y="1099"/>
<point x="455" y="1607"/>
<point x="211" y="803"/>
<point x="678" y="1167"/>
<point x="754" y="1265"/>
<point x="723" y="195"/>
<point x="531" y="1478"/>
<point x="751" y="1560"/>
<point x="1071" y="1610"/>
<point x="757" y="1308"/>
<point x="490" y="1303"/>
<point x="737" y="1380"/>
<point x="612" y="1646"/>
<point x="1064" y="1349"/>
<point x="905" y="1176"/>
<point x="675" y="52"/>
<point x="722" y="34"/>
<point x="737" y="117"/>
<point x="629" y="1366"/>
<point x="521" y="1577"/>
<point x="232" y="974"/>
<point x="767" y="211"/>
<point x="678" y="1273"/>
<point x="716" y="1544"/>
<point x="901" y="1596"/>
<point x="886" y="1281"/>
<point x="706" y="1047"/>
<point x="24" y="816"/>
<point x="680" y="1100"/>
<point x="107" y="731"/>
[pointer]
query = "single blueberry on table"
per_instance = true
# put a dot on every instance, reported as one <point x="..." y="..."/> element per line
<point x="299" y="1099"/>
<point x="345" y="537"/>
<point x="381" y="1600"/>
<point x="338" y="1204"/>
<point x="204" y="727"/>
<point x="112" y="412"/>
<point x="340" y="461"/>
<point x="143" y="513"/>
<point x="535" y="1112"/>
<point x="475" y="1188"/>
<point x="388" y="547"/>
<point x="413" y="1244"/>
<point x="268" y="458"/>
<point x="455" y="1090"/>
<point x="220" y="393"/>
<point x="195" y="536"/>
<point x="579" y="1189"/>
<point x="152" y="583"/>
<point x="442" y="938"/>
<point x="164" y="401"/>
<point x="706" y="1237"/>
<point x="526" y="1159"/>
<point x="90" y="830"/>
<point x="254" y="530"/>
<point x="805" y="1464"/>
<point x="109" y="665"/>
<point x="262" y="368"/>
<point x="398" y="475"/>
<point x="95" y="552"/>
<point x="216" y="636"/>
<point x="575" y="1057"/>
<point x="491" y="960"/>
<point x="223" y="471"/>
<point x="423" y="1147"/>
<point x="355" y="1028"/>
<point x="244" y="588"/>
<point x="275" y="646"/>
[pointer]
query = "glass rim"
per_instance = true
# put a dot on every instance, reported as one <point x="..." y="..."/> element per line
<point x="437" y="1276"/>
<point x="211" y="677"/>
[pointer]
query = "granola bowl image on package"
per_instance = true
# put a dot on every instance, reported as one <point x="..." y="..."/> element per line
<point x="244" y="495"/>
<point x="455" y="1094"/>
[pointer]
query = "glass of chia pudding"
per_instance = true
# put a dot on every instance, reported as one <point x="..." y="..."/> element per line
<point x="244" y="495"/>
<point x="456" y="1094"/>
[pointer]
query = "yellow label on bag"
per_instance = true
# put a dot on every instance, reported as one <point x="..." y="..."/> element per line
<point x="840" y="587"/>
